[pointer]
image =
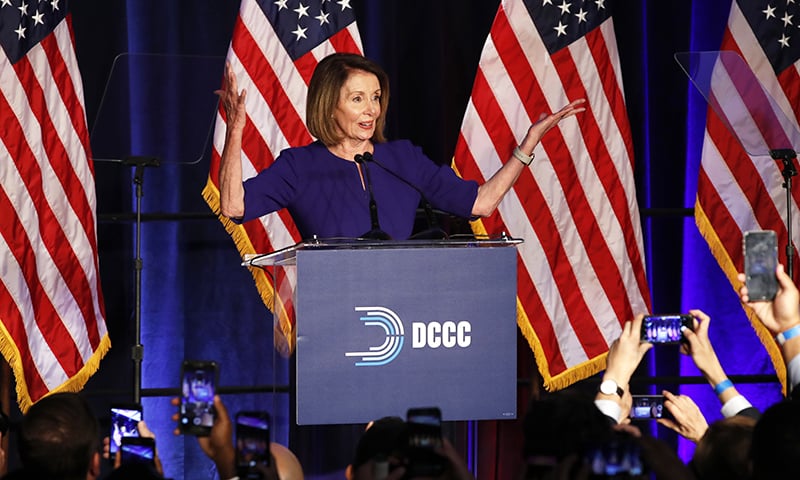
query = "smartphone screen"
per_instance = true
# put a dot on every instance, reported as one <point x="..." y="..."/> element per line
<point x="647" y="406"/>
<point x="665" y="328"/>
<point x="138" y="450"/>
<point x="252" y="441"/>
<point x="198" y="386"/>
<point x="620" y="457"/>
<point x="124" y="421"/>
<point x="424" y="436"/>
<point x="760" y="262"/>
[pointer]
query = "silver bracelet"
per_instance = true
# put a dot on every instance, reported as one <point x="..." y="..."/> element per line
<point x="526" y="159"/>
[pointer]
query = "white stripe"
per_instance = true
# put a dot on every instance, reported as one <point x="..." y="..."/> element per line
<point x="273" y="52"/>
<point x="531" y="251"/>
<point x="43" y="358"/>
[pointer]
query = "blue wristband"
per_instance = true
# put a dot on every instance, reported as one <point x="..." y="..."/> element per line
<point x="791" y="333"/>
<point x="722" y="386"/>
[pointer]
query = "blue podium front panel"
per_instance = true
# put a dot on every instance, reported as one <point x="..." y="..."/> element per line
<point x="383" y="330"/>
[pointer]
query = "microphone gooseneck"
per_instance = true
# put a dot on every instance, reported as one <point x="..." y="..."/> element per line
<point x="375" y="233"/>
<point x="434" y="231"/>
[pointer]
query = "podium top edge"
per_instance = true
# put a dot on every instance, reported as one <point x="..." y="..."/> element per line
<point x="278" y="257"/>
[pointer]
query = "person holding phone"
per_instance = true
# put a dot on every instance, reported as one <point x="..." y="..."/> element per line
<point x="687" y="419"/>
<point x="219" y="446"/>
<point x="781" y="316"/>
<point x="624" y="355"/>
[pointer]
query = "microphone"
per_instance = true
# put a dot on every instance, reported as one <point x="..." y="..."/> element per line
<point x="375" y="233"/>
<point x="434" y="231"/>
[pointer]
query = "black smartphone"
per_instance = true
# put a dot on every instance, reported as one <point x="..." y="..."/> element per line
<point x="252" y="443"/>
<point x="198" y="386"/>
<point x="424" y="437"/>
<point x="665" y="328"/>
<point x="138" y="450"/>
<point x="125" y="418"/>
<point x="618" y="457"/>
<point x="760" y="262"/>
<point x="647" y="406"/>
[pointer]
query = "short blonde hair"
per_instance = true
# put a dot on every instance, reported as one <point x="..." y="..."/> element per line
<point x="324" y="90"/>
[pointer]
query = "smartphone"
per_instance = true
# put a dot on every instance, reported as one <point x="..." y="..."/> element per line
<point x="252" y="443"/>
<point x="760" y="262"/>
<point x="125" y="418"/>
<point x="619" y="457"/>
<point x="424" y="437"/>
<point x="665" y="328"/>
<point x="647" y="406"/>
<point x="198" y="386"/>
<point x="138" y="450"/>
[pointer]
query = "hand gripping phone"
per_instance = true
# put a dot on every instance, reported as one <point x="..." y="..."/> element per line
<point x="760" y="262"/>
<point x="198" y="386"/>
<point x="125" y="418"/>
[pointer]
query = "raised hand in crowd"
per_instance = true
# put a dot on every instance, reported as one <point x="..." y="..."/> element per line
<point x="624" y="356"/>
<point x="783" y="312"/>
<point x="781" y="317"/>
<point x="687" y="419"/>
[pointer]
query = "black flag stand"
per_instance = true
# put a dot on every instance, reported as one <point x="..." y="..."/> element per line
<point x="137" y="351"/>
<point x="787" y="157"/>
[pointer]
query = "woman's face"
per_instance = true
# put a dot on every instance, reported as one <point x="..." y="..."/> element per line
<point x="359" y="106"/>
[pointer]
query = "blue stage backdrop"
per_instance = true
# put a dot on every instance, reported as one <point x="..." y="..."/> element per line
<point x="198" y="303"/>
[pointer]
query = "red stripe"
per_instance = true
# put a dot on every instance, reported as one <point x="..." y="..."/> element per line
<point x="270" y="85"/>
<point x="53" y="236"/>
<point x="790" y="82"/>
<point x="537" y="315"/>
<point x="12" y="320"/>
<point x="305" y="65"/>
<point x="542" y="222"/>
<point x="74" y="104"/>
<point x="343" y="42"/>
<point x="45" y="315"/>
<point x="592" y="236"/>
<point x="720" y="218"/>
<point x="744" y="171"/>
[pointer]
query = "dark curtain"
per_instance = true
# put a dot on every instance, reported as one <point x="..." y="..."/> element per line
<point x="197" y="302"/>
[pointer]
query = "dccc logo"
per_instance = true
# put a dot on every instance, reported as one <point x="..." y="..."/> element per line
<point x="447" y="334"/>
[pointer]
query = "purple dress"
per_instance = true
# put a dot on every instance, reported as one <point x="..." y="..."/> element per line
<point x="325" y="196"/>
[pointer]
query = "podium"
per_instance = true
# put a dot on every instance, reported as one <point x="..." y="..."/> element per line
<point x="383" y="326"/>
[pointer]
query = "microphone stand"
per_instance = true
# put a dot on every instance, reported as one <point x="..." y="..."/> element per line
<point x="137" y="351"/>
<point x="434" y="231"/>
<point x="787" y="156"/>
<point x="375" y="233"/>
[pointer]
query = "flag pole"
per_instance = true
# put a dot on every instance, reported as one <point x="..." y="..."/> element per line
<point x="787" y="156"/>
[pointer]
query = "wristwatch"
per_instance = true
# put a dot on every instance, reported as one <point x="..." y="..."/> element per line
<point x="610" y="387"/>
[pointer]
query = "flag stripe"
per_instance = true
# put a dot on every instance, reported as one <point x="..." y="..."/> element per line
<point x="62" y="250"/>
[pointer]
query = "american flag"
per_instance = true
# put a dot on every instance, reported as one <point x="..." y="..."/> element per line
<point x="754" y="89"/>
<point x="53" y="330"/>
<point x="275" y="47"/>
<point x="581" y="272"/>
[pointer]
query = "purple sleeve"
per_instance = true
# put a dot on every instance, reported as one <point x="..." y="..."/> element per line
<point x="271" y="189"/>
<point x="444" y="189"/>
